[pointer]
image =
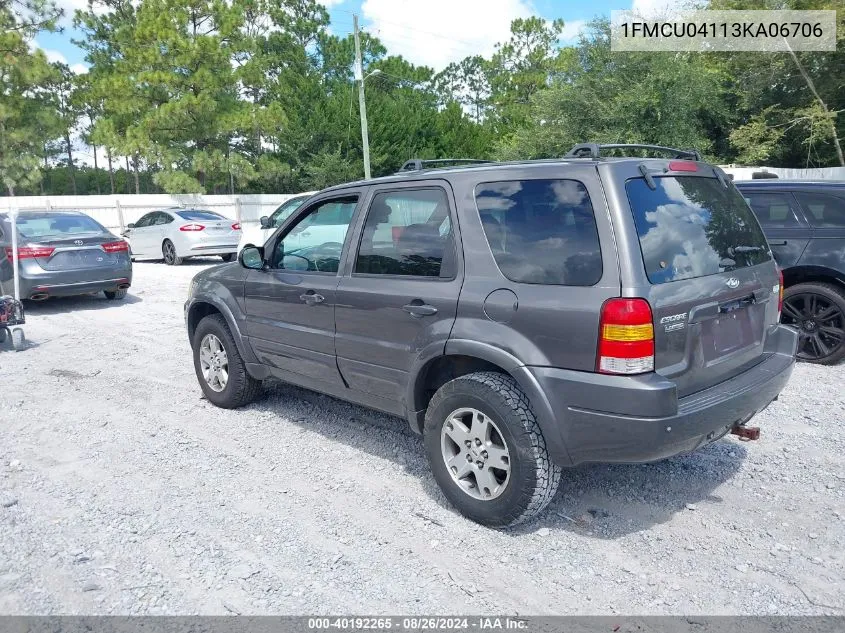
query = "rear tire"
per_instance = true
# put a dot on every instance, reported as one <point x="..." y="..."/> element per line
<point x="114" y="295"/>
<point x="168" y="250"/>
<point x="821" y="340"/>
<point x="520" y="491"/>
<point x="3" y="335"/>
<point x="227" y="257"/>
<point x="239" y="388"/>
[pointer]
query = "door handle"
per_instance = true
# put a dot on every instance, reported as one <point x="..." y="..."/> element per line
<point x="419" y="309"/>
<point x="781" y="243"/>
<point x="311" y="298"/>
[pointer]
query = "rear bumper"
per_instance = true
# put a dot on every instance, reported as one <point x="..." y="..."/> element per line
<point x="35" y="280"/>
<point x="640" y="418"/>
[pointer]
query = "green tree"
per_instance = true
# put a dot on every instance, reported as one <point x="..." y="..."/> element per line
<point x="27" y="116"/>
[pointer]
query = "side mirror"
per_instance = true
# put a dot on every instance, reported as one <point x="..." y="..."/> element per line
<point x="265" y="222"/>
<point x="252" y="257"/>
<point x="131" y="225"/>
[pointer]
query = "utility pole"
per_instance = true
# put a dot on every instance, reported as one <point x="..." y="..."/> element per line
<point x="359" y="77"/>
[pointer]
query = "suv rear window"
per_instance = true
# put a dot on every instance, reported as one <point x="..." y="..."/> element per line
<point x="541" y="231"/>
<point x="692" y="227"/>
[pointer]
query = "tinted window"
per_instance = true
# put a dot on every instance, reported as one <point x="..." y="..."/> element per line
<point x="692" y="227"/>
<point x="56" y="225"/>
<point x="407" y="232"/>
<point x="161" y="218"/>
<point x="196" y="215"/>
<point x="315" y="242"/>
<point x="774" y="210"/>
<point x="145" y="220"/>
<point x="284" y="211"/>
<point x="823" y="210"/>
<point x="541" y="231"/>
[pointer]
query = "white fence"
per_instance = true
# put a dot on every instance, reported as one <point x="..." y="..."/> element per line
<point x="115" y="212"/>
<point x="822" y="173"/>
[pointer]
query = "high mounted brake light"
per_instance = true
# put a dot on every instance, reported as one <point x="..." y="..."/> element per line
<point x="626" y="337"/>
<point x="682" y="165"/>
<point x="30" y="252"/>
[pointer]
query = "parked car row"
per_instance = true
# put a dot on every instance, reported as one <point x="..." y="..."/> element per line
<point x="65" y="253"/>
<point x="523" y="317"/>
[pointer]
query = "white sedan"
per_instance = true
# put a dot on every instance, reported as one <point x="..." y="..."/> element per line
<point x="258" y="235"/>
<point x="174" y="234"/>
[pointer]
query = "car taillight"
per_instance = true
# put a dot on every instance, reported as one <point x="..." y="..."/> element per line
<point x="780" y="292"/>
<point x="192" y="227"/>
<point x="115" y="247"/>
<point x="236" y="226"/>
<point x="30" y="252"/>
<point x="626" y="337"/>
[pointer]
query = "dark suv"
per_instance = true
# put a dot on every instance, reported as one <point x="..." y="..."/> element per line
<point x="522" y="316"/>
<point x="805" y="225"/>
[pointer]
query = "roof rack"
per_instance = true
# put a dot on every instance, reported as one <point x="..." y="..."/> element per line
<point x="416" y="164"/>
<point x="593" y="150"/>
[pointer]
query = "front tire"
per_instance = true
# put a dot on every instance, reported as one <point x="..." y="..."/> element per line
<point x="219" y="367"/>
<point x="168" y="250"/>
<point x="487" y="452"/>
<point x="115" y="295"/>
<point x="817" y="311"/>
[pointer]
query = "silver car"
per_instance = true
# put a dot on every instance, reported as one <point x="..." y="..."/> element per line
<point x="174" y="234"/>
<point x="63" y="253"/>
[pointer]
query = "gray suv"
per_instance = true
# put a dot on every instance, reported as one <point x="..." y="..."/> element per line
<point x="524" y="317"/>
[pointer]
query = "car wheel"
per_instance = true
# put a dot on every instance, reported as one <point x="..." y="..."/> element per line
<point x="113" y="295"/>
<point x="817" y="311"/>
<point x="169" y="252"/>
<point x="3" y="335"/>
<point x="219" y="367"/>
<point x="227" y="257"/>
<point x="486" y="450"/>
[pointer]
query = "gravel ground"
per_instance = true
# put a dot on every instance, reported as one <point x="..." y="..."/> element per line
<point x="122" y="491"/>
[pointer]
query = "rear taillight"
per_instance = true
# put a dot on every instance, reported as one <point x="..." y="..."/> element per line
<point x="626" y="337"/>
<point x="192" y="227"/>
<point x="115" y="247"/>
<point x="30" y="252"/>
<point x="236" y="226"/>
<point x="780" y="292"/>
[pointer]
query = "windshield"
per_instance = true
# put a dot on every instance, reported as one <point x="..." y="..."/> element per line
<point x="195" y="215"/>
<point x="692" y="227"/>
<point x="283" y="212"/>
<point x="46" y="225"/>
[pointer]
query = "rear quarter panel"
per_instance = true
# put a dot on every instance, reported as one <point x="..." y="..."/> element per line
<point x="535" y="324"/>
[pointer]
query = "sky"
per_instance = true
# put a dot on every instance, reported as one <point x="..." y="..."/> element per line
<point x="425" y="32"/>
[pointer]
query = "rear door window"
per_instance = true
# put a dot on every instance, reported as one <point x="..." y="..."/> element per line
<point x="773" y="210"/>
<point x="541" y="231"/>
<point x="691" y="227"/>
<point x="823" y="211"/>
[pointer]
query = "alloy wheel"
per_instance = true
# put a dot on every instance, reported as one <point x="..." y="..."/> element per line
<point x="214" y="363"/>
<point x="475" y="453"/>
<point x="169" y="252"/>
<point x="820" y="324"/>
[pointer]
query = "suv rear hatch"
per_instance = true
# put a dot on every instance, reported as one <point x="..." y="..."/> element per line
<point x="700" y="259"/>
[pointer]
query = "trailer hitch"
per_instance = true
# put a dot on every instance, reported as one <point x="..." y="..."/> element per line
<point x="746" y="433"/>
